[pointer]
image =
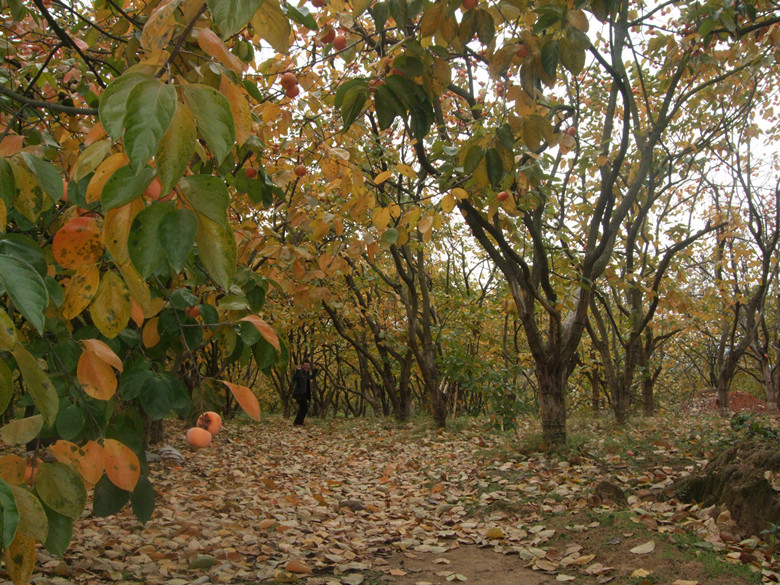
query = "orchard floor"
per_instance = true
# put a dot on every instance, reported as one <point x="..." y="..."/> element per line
<point x="369" y="502"/>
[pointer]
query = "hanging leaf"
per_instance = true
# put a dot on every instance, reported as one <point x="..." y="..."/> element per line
<point x="121" y="464"/>
<point x="22" y="430"/>
<point x="213" y="46"/>
<point x="48" y="177"/>
<point x="116" y="229"/>
<point x="112" y="110"/>
<point x="270" y="22"/>
<point x="495" y="168"/>
<point x="142" y="499"/>
<point x="246" y="399"/>
<point x="78" y="243"/>
<point x="37" y="383"/>
<point x="142" y="242"/>
<point x="95" y="371"/>
<point x="8" y="337"/>
<point x="208" y="195"/>
<point x="159" y="28"/>
<point x="176" y="233"/>
<point x="242" y="116"/>
<point x="217" y="250"/>
<point x="110" y="309"/>
<point x="550" y="57"/>
<point x="176" y="148"/>
<point x="213" y="116"/>
<point x="6" y="386"/>
<point x="104" y="171"/>
<point x="60" y="532"/>
<point x="87" y="460"/>
<point x="26" y="288"/>
<point x="264" y="329"/>
<point x="29" y="199"/>
<point x="150" y="108"/>
<point x="10" y="513"/>
<point x="60" y="487"/>
<point x="80" y="291"/>
<point x="20" y="559"/>
<point x="32" y="518"/>
<point x="7" y="184"/>
<point x="125" y="185"/>
<point x="232" y="15"/>
<point x="351" y="98"/>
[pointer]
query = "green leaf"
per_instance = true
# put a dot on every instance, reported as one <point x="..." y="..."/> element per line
<point x="26" y="288"/>
<point x="388" y="238"/>
<point x="142" y="243"/>
<point x="47" y="175"/>
<point x="176" y="234"/>
<point x="399" y="10"/>
<point x="33" y="521"/>
<point x="61" y="489"/>
<point x="113" y="101"/>
<point x="6" y="386"/>
<point x="214" y="118"/>
<point x="217" y="250"/>
<point x="208" y="195"/>
<point x="474" y="156"/>
<point x="351" y="98"/>
<point x="486" y="27"/>
<point x="70" y="422"/>
<point x="387" y="106"/>
<point x="176" y="148"/>
<point x="379" y="12"/>
<point x="60" y="532"/>
<point x="232" y="15"/>
<point x="22" y="430"/>
<point x="155" y="397"/>
<point x="9" y="514"/>
<point x="495" y="168"/>
<point x="301" y="15"/>
<point x="265" y="354"/>
<point x="550" y="57"/>
<point x="571" y="55"/>
<point x="125" y="185"/>
<point x="24" y="248"/>
<point x="142" y="500"/>
<point x="151" y="105"/>
<point x="109" y="499"/>
<point x="7" y="183"/>
<point x="410" y="66"/>
<point x="37" y="383"/>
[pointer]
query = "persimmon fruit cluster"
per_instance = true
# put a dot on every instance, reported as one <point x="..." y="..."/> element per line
<point x="208" y="424"/>
<point x="290" y="84"/>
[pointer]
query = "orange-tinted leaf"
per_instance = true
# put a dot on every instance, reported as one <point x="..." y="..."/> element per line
<point x="122" y="465"/>
<point x="87" y="460"/>
<point x="20" y="559"/>
<point x="212" y="45"/>
<point x="80" y="291"/>
<point x="139" y="289"/>
<point x="136" y="312"/>
<point x="78" y="243"/>
<point x="159" y="29"/>
<point x="246" y="399"/>
<point x="11" y="144"/>
<point x="265" y="330"/>
<point x="102" y="174"/>
<point x="150" y="335"/>
<point x="117" y="227"/>
<point x="96" y="376"/>
<point x="110" y="309"/>
<point x="12" y="469"/>
<point x="242" y="116"/>
<point x="296" y="566"/>
<point x="103" y="352"/>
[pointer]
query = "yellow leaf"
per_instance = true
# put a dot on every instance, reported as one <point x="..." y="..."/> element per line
<point x="89" y="160"/>
<point x="140" y="290"/>
<point x="459" y="193"/>
<point x="381" y="217"/>
<point x="246" y="399"/>
<point x="103" y="352"/>
<point x="110" y="309"/>
<point x="12" y="468"/>
<point x="242" y="116"/>
<point x="32" y="518"/>
<point x="121" y="464"/>
<point x="644" y="549"/>
<point x="213" y="46"/>
<point x="116" y="229"/>
<point x="22" y="430"/>
<point x="383" y="176"/>
<point x="159" y="29"/>
<point x="640" y="573"/>
<point x="272" y="25"/>
<point x="406" y="171"/>
<point x="8" y="336"/>
<point x="265" y="330"/>
<point x="104" y="171"/>
<point x="20" y="559"/>
<point x="80" y="291"/>
<point x="447" y="203"/>
<point x="3" y="216"/>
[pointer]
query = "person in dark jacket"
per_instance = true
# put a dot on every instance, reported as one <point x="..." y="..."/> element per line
<point x="301" y="387"/>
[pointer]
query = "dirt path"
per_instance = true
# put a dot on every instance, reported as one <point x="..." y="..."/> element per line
<point x="367" y="503"/>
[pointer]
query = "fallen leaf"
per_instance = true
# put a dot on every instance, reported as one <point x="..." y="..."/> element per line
<point x="562" y="577"/>
<point x="640" y="573"/>
<point x="296" y="566"/>
<point x="644" y="549"/>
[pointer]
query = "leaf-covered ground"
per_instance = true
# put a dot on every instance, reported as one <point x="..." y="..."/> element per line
<point x="352" y="502"/>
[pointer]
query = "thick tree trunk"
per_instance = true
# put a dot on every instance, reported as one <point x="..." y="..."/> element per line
<point x="771" y="384"/>
<point x="552" y="401"/>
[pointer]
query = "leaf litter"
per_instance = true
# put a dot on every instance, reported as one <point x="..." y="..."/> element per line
<point x="368" y="501"/>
